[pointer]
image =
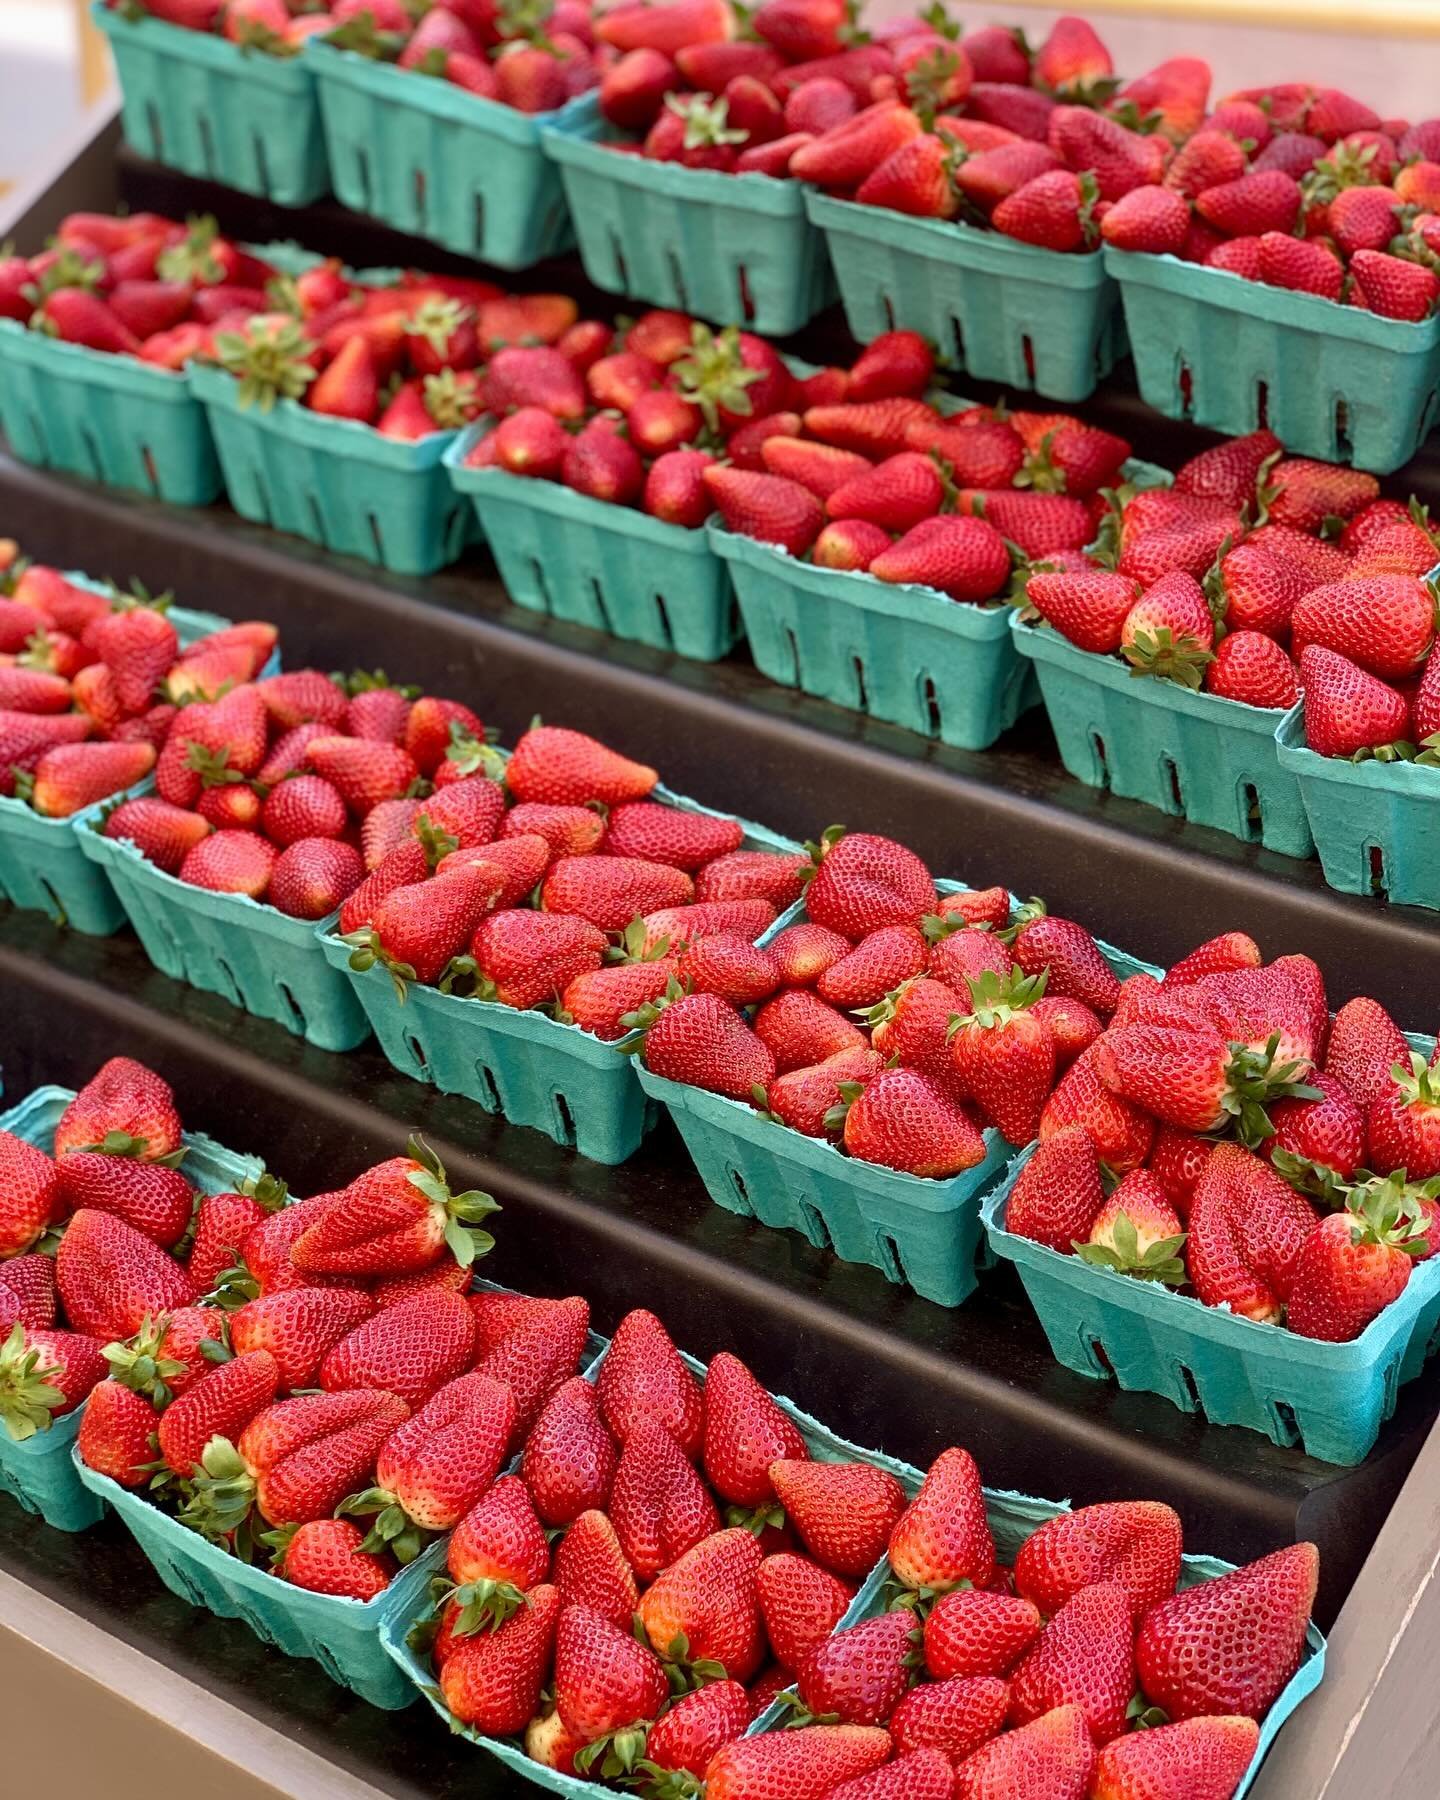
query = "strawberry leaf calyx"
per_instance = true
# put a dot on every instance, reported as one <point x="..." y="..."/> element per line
<point x="1159" y="1260"/>
<point x="29" y="1397"/>
<point x="1252" y="1081"/>
<point x="393" y="1528"/>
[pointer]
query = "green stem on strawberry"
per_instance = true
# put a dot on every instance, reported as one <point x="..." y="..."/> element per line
<point x="29" y="1397"/>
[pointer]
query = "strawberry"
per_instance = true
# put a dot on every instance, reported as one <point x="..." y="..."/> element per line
<point x="568" y="830"/>
<point x="1083" y="1657"/>
<point x="1004" y="1057"/>
<point x="701" y="1040"/>
<point x="110" y="1276"/>
<point x="605" y="1682"/>
<point x="610" y="1001"/>
<point x="1252" y="204"/>
<point x="313" y="877"/>
<point x="76" y="316"/>
<point x="523" y="957"/>
<point x="1052" y="1755"/>
<point x="776" y="877"/>
<point x="492" y="1682"/>
<point x="364" y="770"/>
<point x="912" y="1025"/>
<point x="903" y="1120"/>
<point x="842" y="157"/>
<point x="416" y="1346"/>
<point x="1198" y="1759"/>
<point x="604" y="466"/>
<point x="1303" y="493"/>
<point x="942" y="1539"/>
<point x="220" y="1405"/>
<point x="1137" y="1232"/>
<point x="610" y="890"/>
<point x="1149" y="219"/>
<point x="1231" y="1644"/>
<point x="768" y="507"/>
<point x="418" y="930"/>
<point x="433" y="1468"/>
<point x="675" y="488"/>
<point x="1313" y="1137"/>
<point x="306" y="806"/>
<point x="1394" y="287"/>
<point x="874" y="428"/>
<point x="1255" y="589"/>
<point x="985" y="454"/>
<point x="916" y="178"/>
<point x="843" y="1512"/>
<point x="1090" y="609"/>
<point x="1355" y="1262"/>
<point x="864" y="882"/>
<point x="1385" y="623"/>
<point x="297" y="1459"/>
<point x="1069" y="955"/>
<point x="72" y="776"/>
<point x="33" y="691"/>
<point x="643" y="1380"/>
<point x="804" y="1099"/>
<point x="879" y="962"/>
<point x="703" y="1608"/>
<point x="992" y="174"/>
<point x="1362" y="218"/>
<point x="1348" y="710"/>
<point x="961" y="958"/>
<point x="1072" y="1025"/>
<point x="398" y="1216"/>
<point x="859" y="1675"/>
<point x="155" y="1199"/>
<point x="30" y="1194"/>
<point x="570" y="1457"/>
<point x="591" y="1570"/>
<point x="567" y="768"/>
<point x="1058" y="1194"/>
<point x="29" y="1284"/>
<point x="1178" y="1159"/>
<point x="117" y="1434"/>
<point x="673" y="928"/>
<point x="821" y="468"/>
<point x="1089" y="143"/>
<point x="803" y="1764"/>
<point x="1229" y="471"/>
<point x="1055" y="211"/>
<point x="1119" y="1129"/>
<point x="298" y="1327"/>
<point x="496" y="1553"/>
<point x="1300" y="264"/>
<point x="952" y="1717"/>
<point x="1402" y="1121"/>
<point x="745" y="1431"/>
<point x="1247" y="1227"/>
<point x="1072" y="57"/>
<point x="697" y="1726"/>
<point x="538" y="1354"/>
<point x="970" y="1632"/>
<point x="1130" y="1544"/>
<point x="1194" y="1079"/>
<point x="1364" y="1044"/>
<point x="325" y="1557"/>
<point x="729" y="966"/>
<point x="800" y="1604"/>
<point x="964" y="558"/>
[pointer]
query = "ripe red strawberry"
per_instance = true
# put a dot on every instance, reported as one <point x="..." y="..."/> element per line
<point x="33" y="691"/>
<point x="1356" y="1262"/>
<point x="300" y="1457"/>
<point x="859" y="1675"/>
<point x="1230" y="470"/>
<point x="1058" y="1193"/>
<point x="393" y="1218"/>
<point x="1304" y="493"/>
<point x="496" y="1554"/>
<point x="1004" y="1057"/>
<point x="643" y="1379"/>
<point x="72" y="776"/>
<point x="591" y="1570"/>
<point x="538" y="1354"/>
<point x="952" y="1717"/>
<point x="1247" y="1227"/>
<point x="1055" y="211"/>
<point x="220" y="1405"/>
<point x="804" y="1099"/>
<point x="1402" y="1122"/>
<point x="570" y="1457"/>
<point x="1385" y="623"/>
<point x="993" y="173"/>
<point x="110" y="1276"/>
<point x="302" y="696"/>
<point x="1346" y="708"/>
<point x="1089" y="609"/>
<point x="524" y="957"/>
<point x="701" y="1040"/>
<point x="865" y="882"/>
<point x="767" y="875"/>
<point x="729" y="966"/>
<point x="675" y="488"/>
<point x="230" y="862"/>
<point x="821" y="468"/>
<point x="963" y="957"/>
<point x="416" y="931"/>
<point x="29" y="1284"/>
<point x="673" y="928"/>
<point x="916" y="179"/>
<point x="804" y="1764"/>
<point x="1300" y="264"/>
<point x="414" y="1346"/>
<point x="1253" y="669"/>
<point x="653" y="833"/>
<point x="298" y="1327"/>
<point x="30" y="1193"/>
<point x="568" y="830"/>
<point x="842" y="157"/>
<point x="559" y="767"/>
<point x="43" y="1375"/>
<point x="1394" y="287"/>
<point x="612" y="1000"/>
<point x="1074" y="965"/>
<point x="302" y="807"/>
<point x="117" y="1434"/>
<point x="433" y="1468"/>
<point x="1229" y="1645"/>
<point x="1198" y="1759"/>
<point x="1084" y="1657"/>
<point x="800" y="1603"/>
<point x="1191" y="1077"/>
<point x="1365" y="1043"/>
<point x="971" y="1632"/>
<point x="965" y="558"/>
<point x="745" y="1431"/>
<point x="314" y="877"/>
<point x="981" y="453"/>
<point x="702" y="1608"/>
<point x="1131" y="1544"/>
<point x="1090" y="143"/>
<point x="879" y="962"/>
<point x="904" y="1120"/>
<point x="697" y="1726"/>
<point x="610" y="891"/>
<point x="1120" y="1130"/>
<point x="604" y="1680"/>
<point x="364" y="770"/>
<point x="1137" y="1232"/>
<point x="325" y="1557"/>
<point x="1052" y="1755"/>
<point x="942" y="1538"/>
<point x="492" y="1681"/>
<point x="843" y="1512"/>
<point x="155" y="1199"/>
<point x="1313" y="1136"/>
<point x="161" y="832"/>
<point x="873" y="428"/>
<point x="1149" y="219"/>
<point x="767" y="507"/>
<point x="1251" y="204"/>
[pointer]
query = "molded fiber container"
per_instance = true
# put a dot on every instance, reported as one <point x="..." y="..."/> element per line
<point x="1194" y="755"/>
<point x="824" y="1446"/>
<point x="735" y="248"/>
<point x="612" y="568"/>
<point x="41" y="1472"/>
<point x="200" y="104"/>
<point x="258" y="959"/>
<point x="919" y="1233"/>
<point x="578" y="1089"/>
<point x="42" y="865"/>
<point x="1330" y="1399"/>
<point x="110" y="418"/>
<point x="432" y="160"/>
<point x="998" y="309"/>
<point x="336" y="482"/>
<point x="1374" y="823"/>
<point x="1331" y="381"/>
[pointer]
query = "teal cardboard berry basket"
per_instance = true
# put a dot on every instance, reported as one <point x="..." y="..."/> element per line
<point x="336" y="482"/>
<point x="576" y="1088"/>
<point x="1373" y="822"/>
<point x="1194" y="755"/>
<point x="738" y="249"/>
<point x="200" y="104"/>
<point x="824" y="1446"/>
<point x="112" y="419"/>
<point x="430" y="159"/>
<point x="344" y="1636"/>
<point x="612" y="568"/>
<point x="920" y="1233"/>
<point x="1332" y="381"/>
<point x="1330" y="1399"/>
<point x="998" y="309"/>
<point x="247" y="952"/>
<point x="41" y="1472"/>
<point x="43" y="867"/>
